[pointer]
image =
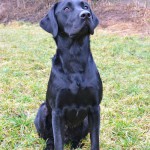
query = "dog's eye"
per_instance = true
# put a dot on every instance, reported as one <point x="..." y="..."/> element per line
<point x="85" y="7"/>
<point x="66" y="9"/>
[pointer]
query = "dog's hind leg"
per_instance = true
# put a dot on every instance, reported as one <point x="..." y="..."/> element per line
<point x="44" y="126"/>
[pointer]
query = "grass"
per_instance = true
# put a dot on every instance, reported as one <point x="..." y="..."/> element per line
<point x="25" y="62"/>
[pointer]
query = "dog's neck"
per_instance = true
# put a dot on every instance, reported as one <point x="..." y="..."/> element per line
<point x="73" y="53"/>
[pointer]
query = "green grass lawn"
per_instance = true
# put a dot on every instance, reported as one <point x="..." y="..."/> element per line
<point x="124" y="65"/>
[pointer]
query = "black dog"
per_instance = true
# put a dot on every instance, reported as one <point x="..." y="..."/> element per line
<point x="74" y="90"/>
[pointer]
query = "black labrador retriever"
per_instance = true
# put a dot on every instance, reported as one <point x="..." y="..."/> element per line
<point x="74" y="92"/>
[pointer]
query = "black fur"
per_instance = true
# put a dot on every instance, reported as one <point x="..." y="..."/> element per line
<point x="74" y="89"/>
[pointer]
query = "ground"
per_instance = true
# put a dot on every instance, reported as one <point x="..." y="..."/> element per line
<point x="123" y="62"/>
<point x="121" y="49"/>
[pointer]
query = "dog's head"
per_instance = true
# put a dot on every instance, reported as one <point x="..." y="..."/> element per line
<point x="72" y="17"/>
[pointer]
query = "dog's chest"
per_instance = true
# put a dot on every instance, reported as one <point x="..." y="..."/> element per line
<point x="79" y="89"/>
<point x="74" y="115"/>
<point x="74" y="94"/>
<point x="77" y="94"/>
<point x="75" y="103"/>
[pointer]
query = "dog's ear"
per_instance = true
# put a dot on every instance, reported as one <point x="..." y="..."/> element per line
<point x="95" y="20"/>
<point x="49" y="22"/>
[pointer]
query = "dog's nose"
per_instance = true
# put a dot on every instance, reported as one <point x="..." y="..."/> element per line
<point x="85" y="14"/>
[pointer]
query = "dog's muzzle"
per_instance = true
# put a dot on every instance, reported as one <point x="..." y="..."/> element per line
<point x="85" y="15"/>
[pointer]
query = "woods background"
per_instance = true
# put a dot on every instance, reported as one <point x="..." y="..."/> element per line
<point x="115" y="15"/>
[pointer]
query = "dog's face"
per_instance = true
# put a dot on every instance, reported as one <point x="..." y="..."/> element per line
<point x="72" y="17"/>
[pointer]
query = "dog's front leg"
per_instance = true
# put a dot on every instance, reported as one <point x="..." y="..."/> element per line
<point x="58" y="126"/>
<point x="94" y="123"/>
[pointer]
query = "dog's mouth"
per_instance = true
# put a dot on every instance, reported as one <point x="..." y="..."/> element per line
<point x="85" y="29"/>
